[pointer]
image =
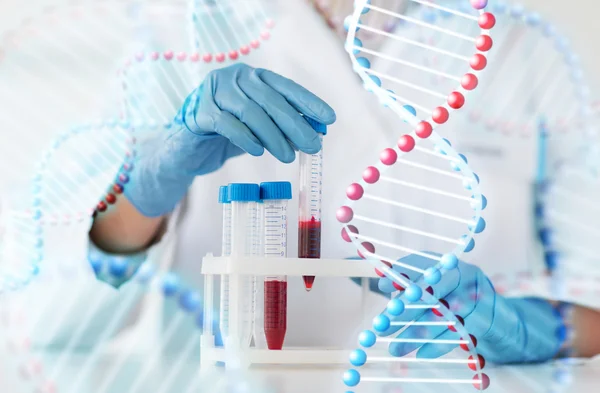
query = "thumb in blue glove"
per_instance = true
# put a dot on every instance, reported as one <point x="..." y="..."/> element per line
<point x="519" y="330"/>
<point x="237" y="109"/>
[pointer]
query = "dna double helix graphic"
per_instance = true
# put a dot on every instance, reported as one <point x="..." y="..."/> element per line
<point x="74" y="171"/>
<point x="420" y="194"/>
<point x="534" y="76"/>
<point x="567" y="224"/>
<point x="21" y="247"/>
<point x="228" y="28"/>
<point x="54" y="176"/>
<point x="536" y="98"/>
<point x="570" y="229"/>
<point x="102" y="322"/>
<point x="155" y="82"/>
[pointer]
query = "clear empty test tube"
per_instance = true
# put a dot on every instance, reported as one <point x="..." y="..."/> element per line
<point x="259" y="323"/>
<point x="244" y="243"/>
<point x="225" y="251"/>
<point x="309" y="212"/>
<point x="275" y="196"/>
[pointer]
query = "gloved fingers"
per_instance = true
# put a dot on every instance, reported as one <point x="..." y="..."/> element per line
<point x="187" y="113"/>
<point x="439" y="346"/>
<point x="291" y="125"/>
<point x="259" y="123"/>
<point x="414" y="266"/>
<point x="447" y="284"/>
<point x="416" y="332"/>
<point x="298" y="97"/>
<point x="426" y="326"/>
<point x="387" y="285"/>
<point x="412" y="312"/>
<point x="238" y="133"/>
<point x="474" y="303"/>
<point x="480" y="320"/>
<point x="209" y="117"/>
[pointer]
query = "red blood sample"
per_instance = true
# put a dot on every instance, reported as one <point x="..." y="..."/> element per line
<point x="275" y="313"/>
<point x="309" y="245"/>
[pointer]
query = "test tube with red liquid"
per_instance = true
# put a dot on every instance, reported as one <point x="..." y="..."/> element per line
<point x="309" y="212"/>
<point x="275" y="196"/>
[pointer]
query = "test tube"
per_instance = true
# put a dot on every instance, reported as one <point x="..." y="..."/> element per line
<point x="275" y="196"/>
<point x="309" y="212"/>
<point x="225" y="251"/>
<point x="259" y="322"/>
<point x="244" y="243"/>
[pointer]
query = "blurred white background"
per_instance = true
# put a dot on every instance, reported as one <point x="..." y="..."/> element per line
<point x="577" y="19"/>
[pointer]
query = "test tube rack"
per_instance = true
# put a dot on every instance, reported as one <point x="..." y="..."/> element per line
<point x="216" y="267"/>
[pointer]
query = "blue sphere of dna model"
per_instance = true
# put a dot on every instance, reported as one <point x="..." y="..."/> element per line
<point x="421" y="194"/>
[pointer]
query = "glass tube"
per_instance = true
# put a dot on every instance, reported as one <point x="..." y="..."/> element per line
<point x="225" y="251"/>
<point x="244" y="243"/>
<point x="309" y="211"/>
<point x="275" y="196"/>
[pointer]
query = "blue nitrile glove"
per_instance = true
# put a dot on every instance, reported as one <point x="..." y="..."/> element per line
<point x="237" y="109"/>
<point x="518" y="330"/>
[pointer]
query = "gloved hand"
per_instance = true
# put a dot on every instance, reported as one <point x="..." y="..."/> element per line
<point x="517" y="330"/>
<point x="236" y="109"/>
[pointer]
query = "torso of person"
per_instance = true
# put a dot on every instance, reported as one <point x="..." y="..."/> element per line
<point x="302" y="48"/>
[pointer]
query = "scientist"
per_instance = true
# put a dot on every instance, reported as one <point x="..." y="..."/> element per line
<point x="239" y="126"/>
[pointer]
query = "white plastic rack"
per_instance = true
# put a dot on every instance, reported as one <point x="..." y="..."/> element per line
<point x="216" y="267"/>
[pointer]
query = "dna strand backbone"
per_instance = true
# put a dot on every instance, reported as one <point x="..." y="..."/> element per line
<point x="534" y="76"/>
<point x="567" y="216"/>
<point x="21" y="242"/>
<point x="70" y="145"/>
<point x="334" y="12"/>
<point x="214" y="21"/>
<point x="162" y="72"/>
<point x="420" y="194"/>
<point x="532" y="113"/>
<point x="105" y="325"/>
<point x="569" y="231"/>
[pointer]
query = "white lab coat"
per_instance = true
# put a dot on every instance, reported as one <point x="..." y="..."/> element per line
<point x="329" y="314"/>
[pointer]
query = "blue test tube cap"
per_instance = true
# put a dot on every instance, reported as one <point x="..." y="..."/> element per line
<point x="223" y="195"/>
<point x="318" y="127"/>
<point x="243" y="192"/>
<point x="276" y="190"/>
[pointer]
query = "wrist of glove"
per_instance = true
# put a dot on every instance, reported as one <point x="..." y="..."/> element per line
<point x="507" y="330"/>
<point x="166" y="167"/>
